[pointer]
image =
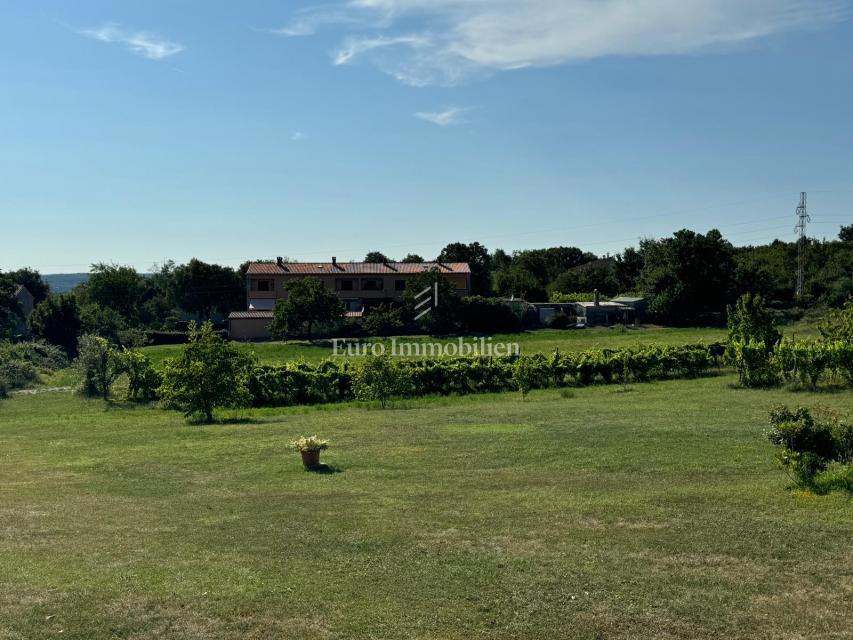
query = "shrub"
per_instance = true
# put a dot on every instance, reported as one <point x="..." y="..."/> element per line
<point x="143" y="378"/>
<point x="383" y="320"/>
<point x="809" y="443"/>
<point x="487" y="315"/>
<point x="525" y="375"/>
<point x="753" y="363"/>
<point x="750" y="319"/>
<point x="98" y="365"/>
<point x="18" y="374"/>
<point x="803" y="359"/>
<point x="210" y="373"/>
<point x="378" y="378"/>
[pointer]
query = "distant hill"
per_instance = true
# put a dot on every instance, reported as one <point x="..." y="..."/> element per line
<point x="64" y="282"/>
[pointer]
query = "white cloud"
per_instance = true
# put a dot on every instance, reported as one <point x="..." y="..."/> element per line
<point x="457" y="38"/>
<point x="141" y="43"/>
<point x="443" y="118"/>
<point x="296" y="136"/>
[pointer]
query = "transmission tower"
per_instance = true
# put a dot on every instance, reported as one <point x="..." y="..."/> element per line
<point x="802" y="219"/>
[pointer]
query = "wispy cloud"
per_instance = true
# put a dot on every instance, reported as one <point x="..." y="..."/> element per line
<point x="444" y="118"/>
<point x="457" y="38"/>
<point x="297" y="136"/>
<point x="141" y="43"/>
<point x="356" y="46"/>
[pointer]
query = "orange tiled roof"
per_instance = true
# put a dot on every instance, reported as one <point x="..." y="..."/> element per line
<point x="355" y="268"/>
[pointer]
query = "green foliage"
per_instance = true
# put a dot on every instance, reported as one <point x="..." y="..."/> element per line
<point x="376" y="257"/>
<point x="378" y="378"/>
<point x="487" y="315"/>
<point x="804" y="359"/>
<point x="210" y="373"/>
<point x="383" y="320"/>
<point x="10" y="308"/>
<point x="599" y="274"/>
<point x="309" y="443"/>
<point x="478" y="259"/>
<point x="22" y="362"/>
<point x="143" y="378"/>
<point x="441" y="319"/>
<point x="115" y="287"/>
<point x="57" y="320"/>
<point x="203" y="289"/>
<point x="308" y="303"/>
<point x="809" y="441"/>
<point x="517" y="282"/>
<point x="838" y="323"/>
<point x="98" y="364"/>
<point x="687" y="276"/>
<point x="753" y="362"/>
<point x="33" y="281"/>
<point x="382" y="378"/>
<point x="750" y="319"/>
<point x="845" y="234"/>
<point x="412" y="258"/>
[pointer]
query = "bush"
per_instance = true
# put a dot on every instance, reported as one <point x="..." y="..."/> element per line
<point x="143" y="378"/>
<point x="18" y="374"/>
<point x="99" y="364"/>
<point x="753" y="363"/>
<point x="379" y="378"/>
<point x="477" y="314"/>
<point x="809" y="443"/>
<point x="383" y="320"/>
<point x="210" y="373"/>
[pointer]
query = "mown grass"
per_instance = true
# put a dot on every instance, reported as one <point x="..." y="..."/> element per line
<point x="541" y="341"/>
<point x="599" y="513"/>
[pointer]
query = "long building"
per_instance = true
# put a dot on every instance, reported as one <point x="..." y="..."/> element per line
<point x="358" y="284"/>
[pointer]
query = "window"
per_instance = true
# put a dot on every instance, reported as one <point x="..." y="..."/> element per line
<point x="346" y="285"/>
<point x="352" y="304"/>
<point x="399" y="285"/>
<point x="261" y="285"/>
<point x="372" y="284"/>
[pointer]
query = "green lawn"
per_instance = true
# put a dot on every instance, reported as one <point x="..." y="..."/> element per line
<point x="657" y="512"/>
<point x="542" y="341"/>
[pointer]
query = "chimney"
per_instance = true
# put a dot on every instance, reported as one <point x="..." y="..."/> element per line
<point x="279" y="261"/>
<point x="597" y="298"/>
<point x="334" y="260"/>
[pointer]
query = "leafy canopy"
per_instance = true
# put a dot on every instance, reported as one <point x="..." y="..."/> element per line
<point x="308" y="303"/>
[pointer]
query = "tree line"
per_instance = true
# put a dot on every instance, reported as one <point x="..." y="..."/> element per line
<point x="688" y="278"/>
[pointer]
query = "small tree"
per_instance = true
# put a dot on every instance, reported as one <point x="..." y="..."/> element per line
<point x="750" y="319"/>
<point x="383" y="320"/>
<point x="308" y="303"/>
<point x="99" y="364"/>
<point x="378" y="378"/>
<point x="210" y="373"/>
<point x="838" y="323"/>
<point x="10" y="308"/>
<point x="142" y="378"/>
<point x="57" y="320"/>
<point x="525" y="375"/>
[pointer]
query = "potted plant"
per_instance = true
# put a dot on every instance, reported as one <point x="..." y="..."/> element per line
<point x="310" y="448"/>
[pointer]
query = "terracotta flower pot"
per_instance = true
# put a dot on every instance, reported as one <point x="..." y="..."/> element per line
<point x="311" y="458"/>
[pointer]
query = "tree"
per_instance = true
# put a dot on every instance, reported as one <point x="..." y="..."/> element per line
<point x="846" y="233"/>
<point x="688" y="275"/>
<point x="477" y="257"/>
<point x="57" y="320"/>
<point x="442" y="316"/>
<point x="115" y="286"/>
<point x="629" y="265"/>
<point x="600" y="275"/>
<point x="308" y="303"/>
<point x="378" y="378"/>
<point x="750" y="319"/>
<point x="838" y="324"/>
<point x="99" y="364"/>
<point x="10" y="308"/>
<point x="383" y="320"/>
<point x="203" y="289"/>
<point x="517" y="282"/>
<point x="412" y="258"/>
<point x="33" y="281"/>
<point x="376" y="256"/>
<point x="210" y="373"/>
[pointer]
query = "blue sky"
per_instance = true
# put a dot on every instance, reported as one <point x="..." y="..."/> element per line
<point x="143" y="130"/>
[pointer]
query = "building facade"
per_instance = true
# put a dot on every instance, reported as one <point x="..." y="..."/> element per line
<point x="358" y="284"/>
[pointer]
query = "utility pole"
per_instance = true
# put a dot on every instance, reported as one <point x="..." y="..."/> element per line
<point x="802" y="219"/>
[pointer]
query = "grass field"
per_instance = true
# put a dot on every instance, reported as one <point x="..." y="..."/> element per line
<point x="542" y="341"/>
<point x="604" y="514"/>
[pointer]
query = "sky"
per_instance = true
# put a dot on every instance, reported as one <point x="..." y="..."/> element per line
<point x="144" y="130"/>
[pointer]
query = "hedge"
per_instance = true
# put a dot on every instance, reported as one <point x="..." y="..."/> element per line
<point x="805" y="361"/>
<point x="332" y="381"/>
